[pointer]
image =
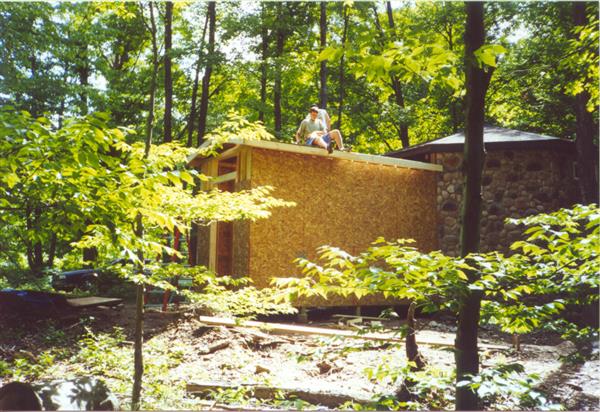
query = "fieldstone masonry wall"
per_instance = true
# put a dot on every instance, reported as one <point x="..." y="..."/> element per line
<point x="516" y="183"/>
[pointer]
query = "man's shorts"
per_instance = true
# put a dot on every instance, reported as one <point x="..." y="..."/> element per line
<point x="326" y="138"/>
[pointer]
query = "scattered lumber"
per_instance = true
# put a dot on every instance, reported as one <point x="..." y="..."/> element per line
<point x="366" y="318"/>
<point x="310" y="330"/>
<point x="93" y="301"/>
<point x="216" y="347"/>
<point x="258" y="335"/>
<point x="325" y="398"/>
<point x="294" y="329"/>
<point x="214" y="405"/>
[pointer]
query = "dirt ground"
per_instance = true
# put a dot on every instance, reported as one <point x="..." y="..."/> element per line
<point x="238" y="356"/>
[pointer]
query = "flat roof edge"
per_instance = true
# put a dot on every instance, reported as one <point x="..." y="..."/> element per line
<point x="314" y="151"/>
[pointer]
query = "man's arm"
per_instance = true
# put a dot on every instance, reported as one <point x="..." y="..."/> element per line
<point x="328" y="121"/>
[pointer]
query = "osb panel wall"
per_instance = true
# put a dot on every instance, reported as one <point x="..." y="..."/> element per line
<point x="339" y="203"/>
<point x="203" y="245"/>
<point x="241" y="240"/>
<point x="203" y="241"/>
<point x="516" y="183"/>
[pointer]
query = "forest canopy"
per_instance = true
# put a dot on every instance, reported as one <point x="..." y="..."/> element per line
<point x="389" y="76"/>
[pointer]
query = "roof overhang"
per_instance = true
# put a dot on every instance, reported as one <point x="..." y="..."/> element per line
<point x="459" y="147"/>
<point x="494" y="138"/>
<point x="195" y="159"/>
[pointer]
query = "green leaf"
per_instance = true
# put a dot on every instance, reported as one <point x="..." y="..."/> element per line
<point x="327" y="53"/>
<point x="11" y="180"/>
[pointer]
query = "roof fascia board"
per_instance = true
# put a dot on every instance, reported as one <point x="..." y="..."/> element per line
<point x="314" y="151"/>
<point x="357" y="157"/>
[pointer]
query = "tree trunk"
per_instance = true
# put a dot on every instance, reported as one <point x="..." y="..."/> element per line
<point x="90" y="254"/>
<point x="36" y="104"/>
<point x="466" y="351"/>
<point x="280" y="42"/>
<point x="264" y="55"/>
<point x="453" y="103"/>
<point x="395" y="83"/>
<point x="412" y="355"/>
<point x="207" y="73"/>
<point x="83" y="71"/>
<point x="138" y="359"/>
<point x="193" y="238"/>
<point x="138" y="338"/>
<point x="342" y="80"/>
<point x="587" y="153"/>
<point x="323" y="43"/>
<point x="35" y="252"/>
<point x="168" y="118"/>
<point x="192" y="116"/>
<point x="61" y="109"/>
<point x="153" y="81"/>
<point x="52" y="251"/>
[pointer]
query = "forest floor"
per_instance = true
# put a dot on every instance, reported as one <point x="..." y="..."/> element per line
<point x="181" y="350"/>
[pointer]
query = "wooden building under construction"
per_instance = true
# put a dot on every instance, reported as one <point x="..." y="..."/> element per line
<point x="342" y="199"/>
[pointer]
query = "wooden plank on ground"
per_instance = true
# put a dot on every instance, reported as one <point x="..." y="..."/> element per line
<point x="315" y="397"/>
<point x="310" y="330"/>
<point x="93" y="301"/>
<point x="367" y="318"/>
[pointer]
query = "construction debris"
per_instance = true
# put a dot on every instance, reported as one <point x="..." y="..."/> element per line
<point x="328" y="399"/>
<point x="308" y="330"/>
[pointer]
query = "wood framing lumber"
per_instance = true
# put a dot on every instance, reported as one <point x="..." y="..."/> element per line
<point x="325" y="398"/>
<point x="234" y="151"/>
<point x="215" y="406"/>
<point x="224" y="178"/>
<point x="367" y="318"/>
<point x="310" y="330"/>
<point x="93" y="301"/>
<point x="214" y="348"/>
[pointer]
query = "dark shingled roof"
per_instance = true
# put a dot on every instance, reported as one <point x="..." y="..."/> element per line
<point x="494" y="138"/>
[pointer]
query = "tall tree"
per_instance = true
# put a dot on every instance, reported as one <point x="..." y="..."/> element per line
<point x="477" y="81"/>
<point x="264" y="55"/>
<point x="280" y="35"/>
<point x="396" y="85"/>
<point x="168" y="117"/>
<point x="342" y="79"/>
<point x="194" y="97"/>
<point x="202" y="116"/>
<point x="138" y="365"/>
<point x="587" y="153"/>
<point x="394" y="81"/>
<point x="323" y="44"/>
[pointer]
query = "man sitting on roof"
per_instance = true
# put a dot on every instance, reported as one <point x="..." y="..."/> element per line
<point x="323" y="116"/>
<point x="314" y="133"/>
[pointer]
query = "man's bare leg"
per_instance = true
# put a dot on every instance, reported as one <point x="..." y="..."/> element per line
<point x="337" y="137"/>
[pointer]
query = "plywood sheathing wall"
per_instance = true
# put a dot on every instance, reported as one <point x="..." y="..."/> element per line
<point x="241" y="240"/>
<point x="340" y="203"/>
<point x="207" y="168"/>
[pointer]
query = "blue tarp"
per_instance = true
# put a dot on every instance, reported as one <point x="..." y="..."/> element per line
<point x="20" y="301"/>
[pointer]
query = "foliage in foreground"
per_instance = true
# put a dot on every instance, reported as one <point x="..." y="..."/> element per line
<point x="84" y="185"/>
<point x="557" y="264"/>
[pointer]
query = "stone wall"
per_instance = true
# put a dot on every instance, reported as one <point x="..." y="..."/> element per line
<point x="516" y="183"/>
